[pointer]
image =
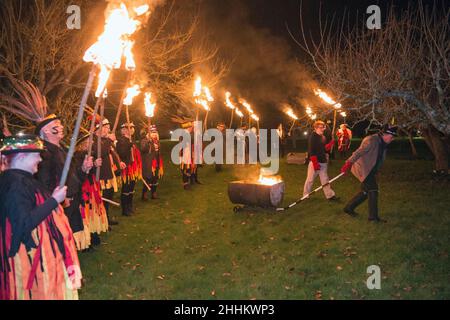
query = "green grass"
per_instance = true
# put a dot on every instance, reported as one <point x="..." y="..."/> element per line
<point x="190" y="244"/>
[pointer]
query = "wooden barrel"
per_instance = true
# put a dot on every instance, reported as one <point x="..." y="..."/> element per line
<point x="255" y="194"/>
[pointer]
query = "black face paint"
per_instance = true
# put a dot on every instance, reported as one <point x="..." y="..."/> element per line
<point x="56" y="130"/>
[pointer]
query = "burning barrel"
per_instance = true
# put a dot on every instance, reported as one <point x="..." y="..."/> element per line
<point x="265" y="192"/>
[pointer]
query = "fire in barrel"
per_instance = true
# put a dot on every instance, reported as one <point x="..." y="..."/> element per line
<point x="266" y="192"/>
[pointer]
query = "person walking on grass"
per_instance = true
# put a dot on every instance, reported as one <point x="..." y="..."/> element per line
<point x="318" y="161"/>
<point x="365" y="163"/>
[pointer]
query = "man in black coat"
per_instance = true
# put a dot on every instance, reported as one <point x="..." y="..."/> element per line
<point x="50" y="170"/>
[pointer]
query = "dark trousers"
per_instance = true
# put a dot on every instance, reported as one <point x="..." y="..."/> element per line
<point x="369" y="190"/>
<point x="152" y="181"/>
<point x="126" y="197"/>
<point x="107" y="194"/>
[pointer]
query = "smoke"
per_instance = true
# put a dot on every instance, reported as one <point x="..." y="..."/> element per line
<point x="266" y="70"/>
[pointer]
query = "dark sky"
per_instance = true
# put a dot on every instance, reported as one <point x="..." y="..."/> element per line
<point x="269" y="68"/>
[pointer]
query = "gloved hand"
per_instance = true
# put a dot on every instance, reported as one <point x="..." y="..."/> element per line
<point x="315" y="162"/>
<point x="329" y="145"/>
<point x="346" y="167"/>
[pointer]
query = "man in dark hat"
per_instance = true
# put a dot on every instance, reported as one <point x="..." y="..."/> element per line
<point x="365" y="164"/>
<point x="188" y="167"/>
<point x="152" y="162"/>
<point x="221" y="127"/>
<point x="131" y="156"/>
<point x="51" y="131"/>
<point x="111" y="163"/>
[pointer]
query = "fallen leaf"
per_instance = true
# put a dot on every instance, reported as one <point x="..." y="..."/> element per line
<point x="161" y="277"/>
<point x="213" y="293"/>
<point x="318" y="295"/>
<point x="187" y="221"/>
<point x="339" y="268"/>
<point x="226" y="274"/>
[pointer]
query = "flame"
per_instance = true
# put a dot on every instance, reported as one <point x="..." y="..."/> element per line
<point x="131" y="93"/>
<point x="325" y="97"/>
<point x="208" y="95"/>
<point x="130" y="64"/>
<point x="308" y="110"/>
<point x="246" y="105"/>
<point x="291" y="114"/>
<point x="202" y="99"/>
<point x="228" y="102"/>
<point x="103" y="77"/>
<point x="313" y="117"/>
<point x="141" y="10"/>
<point x="149" y="106"/>
<point x="269" y="181"/>
<point x="114" y="43"/>
<point x="198" y="87"/>
<point x="254" y="117"/>
<point x="239" y="113"/>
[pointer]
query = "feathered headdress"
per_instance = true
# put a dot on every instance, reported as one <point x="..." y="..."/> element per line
<point x="30" y="104"/>
<point x="185" y="122"/>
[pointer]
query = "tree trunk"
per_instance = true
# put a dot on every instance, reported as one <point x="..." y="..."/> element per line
<point x="439" y="147"/>
<point x="413" y="147"/>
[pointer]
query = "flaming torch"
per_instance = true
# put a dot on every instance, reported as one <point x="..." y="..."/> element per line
<point x="230" y="105"/>
<point x="149" y="107"/>
<point x="131" y="92"/>
<point x="249" y="110"/>
<point x="330" y="101"/>
<point x="294" y="118"/>
<point x="256" y="118"/>
<point x="202" y="97"/>
<point x="240" y="115"/>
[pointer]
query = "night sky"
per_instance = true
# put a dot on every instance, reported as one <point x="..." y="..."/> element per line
<point x="269" y="68"/>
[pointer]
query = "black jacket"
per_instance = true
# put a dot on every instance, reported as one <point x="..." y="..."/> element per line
<point x="51" y="167"/>
<point x="316" y="147"/>
<point x="18" y="204"/>
<point x="124" y="147"/>
<point x="148" y="154"/>
<point x="107" y="149"/>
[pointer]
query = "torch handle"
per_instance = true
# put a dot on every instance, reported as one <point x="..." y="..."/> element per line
<point x="206" y="121"/>
<point x="92" y="127"/>
<point x="231" y="120"/>
<point x="76" y="131"/>
<point x="119" y="110"/>
<point x="292" y="126"/>
<point x="99" y="138"/>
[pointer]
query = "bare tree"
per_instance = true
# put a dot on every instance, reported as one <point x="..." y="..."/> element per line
<point x="400" y="72"/>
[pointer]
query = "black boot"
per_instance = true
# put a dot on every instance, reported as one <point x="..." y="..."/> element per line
<point x="130" y="203"/>
<point x="354" y="202"/>
<point x="373" y="207"/>
<point x="95" y="239"/>
<point x="144" y="194"/>
<point x="124" y="204"/>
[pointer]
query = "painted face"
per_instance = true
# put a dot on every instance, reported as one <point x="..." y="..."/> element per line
<point x="54" y="129"/>
<point x="105" y="130"/>
<point x="388" y="138"/>
<point x="154" y="135"/>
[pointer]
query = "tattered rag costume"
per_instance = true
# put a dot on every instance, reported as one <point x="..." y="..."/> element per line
<point x="130" y="155"/>
<point x="49" y="174"/>
<point x="38" y="257"/>
<point x="344" y="136"/>
<point x="152" y="165"/>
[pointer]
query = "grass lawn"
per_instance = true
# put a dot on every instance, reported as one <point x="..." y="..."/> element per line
<point x="190" y="244"/>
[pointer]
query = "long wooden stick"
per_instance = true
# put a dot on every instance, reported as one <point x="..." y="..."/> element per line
<point x="92" y="127"/>
<point x="119" y="109"/>
<point x="76" y="131"/>
<point x="231" y="120"/>
<point x="206" y="121"/>
<point x="99" y="138"/>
